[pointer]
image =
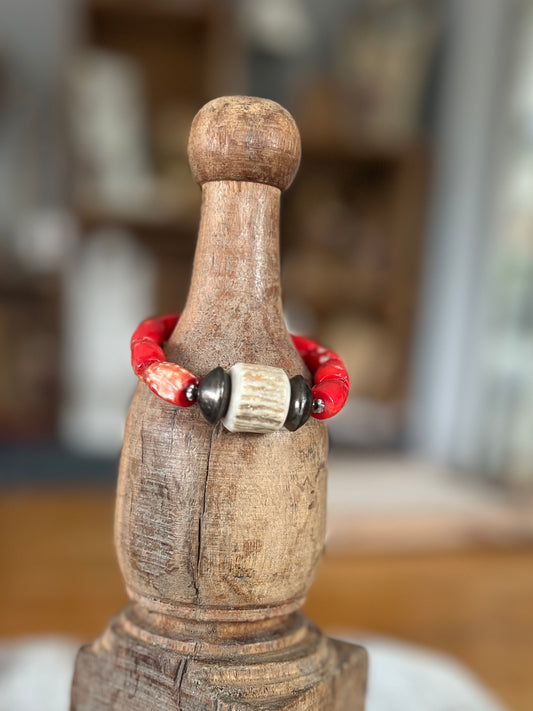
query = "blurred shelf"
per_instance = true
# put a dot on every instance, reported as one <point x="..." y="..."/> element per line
<point x="20" y="284"/>
<point x="163" y="8"/>
<point x="158" y="231"/>
<point x="384" y="505"/>
<point x="363" y="152"/>
<point x="184" y="54"/>
<point x="353" y="232"/>
<point x="30" y="353"/>
<point x="185" y="50"/>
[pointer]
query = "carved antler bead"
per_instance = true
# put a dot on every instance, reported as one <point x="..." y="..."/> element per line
<point x="260" y="398"/>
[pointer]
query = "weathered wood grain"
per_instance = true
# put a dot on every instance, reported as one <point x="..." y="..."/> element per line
<point x="219" y="534"/>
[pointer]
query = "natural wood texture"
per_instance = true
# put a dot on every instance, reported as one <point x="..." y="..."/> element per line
<point x="219" y="535"/>
<point x="59" y="575"/>
<point x="263" y="146"/>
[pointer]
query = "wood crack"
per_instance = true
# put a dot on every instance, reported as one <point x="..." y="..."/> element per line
<point x="178" y="680"/>
<point x="172" y="429"/>
<point x="196" y="580"/>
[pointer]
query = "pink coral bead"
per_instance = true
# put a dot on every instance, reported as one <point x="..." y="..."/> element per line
<point x="170" y="382"/>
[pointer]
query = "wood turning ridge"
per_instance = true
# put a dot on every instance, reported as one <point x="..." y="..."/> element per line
<point x="219" y="534"/>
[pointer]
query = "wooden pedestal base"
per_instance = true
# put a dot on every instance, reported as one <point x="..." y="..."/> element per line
<point x="219" y="534"/>
<point x="285" y="663"/>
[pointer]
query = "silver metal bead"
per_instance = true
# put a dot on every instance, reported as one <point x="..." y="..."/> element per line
<point x="318" y="406"/>
<point x="214" y="394"/>
<point x="191" y="393"/>
<point x="301" y="403"/>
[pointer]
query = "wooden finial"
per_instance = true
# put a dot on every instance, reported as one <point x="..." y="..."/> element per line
<point x="219" y="534"/>
<point x="243" y="138"/>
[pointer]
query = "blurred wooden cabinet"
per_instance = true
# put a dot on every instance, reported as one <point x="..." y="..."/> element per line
<point x="353" y="240"/>
<point x="30" y="354"/>
<point x="185" y="53"/>
<point x="187" y="50"/>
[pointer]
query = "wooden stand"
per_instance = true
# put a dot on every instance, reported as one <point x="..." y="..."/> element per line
<point x="219" y="535"/>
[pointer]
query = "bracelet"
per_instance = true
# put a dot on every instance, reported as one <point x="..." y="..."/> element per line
<point x="250" y="397"/>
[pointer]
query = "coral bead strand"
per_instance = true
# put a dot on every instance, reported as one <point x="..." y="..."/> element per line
<point x="330" y="377"/>
<point x="171" y="382"/>
<point x="168" y="381"/>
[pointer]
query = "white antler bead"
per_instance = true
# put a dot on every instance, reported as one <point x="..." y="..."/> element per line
<point x="260" y="398"/>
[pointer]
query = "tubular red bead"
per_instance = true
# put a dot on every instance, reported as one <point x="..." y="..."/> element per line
<point x="333" y="369"/>
<point x="169" y="322"/>
<point x="157" y="329"/>
<point x="304" y="345"/>
<point x="318" y="357"/>
<point x="333" y="394"/>
<point x="170" y="381"/>
<point x="145" y="352"/>
<point x="151" y="328"/>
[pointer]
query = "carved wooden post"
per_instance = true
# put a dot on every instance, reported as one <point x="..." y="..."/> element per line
<point x="219" y="535"/>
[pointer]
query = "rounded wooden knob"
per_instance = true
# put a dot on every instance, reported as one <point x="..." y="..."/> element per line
<point x="244" y="138"/>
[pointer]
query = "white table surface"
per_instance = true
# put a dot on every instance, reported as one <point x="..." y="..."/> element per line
<point x="35" y="675"/>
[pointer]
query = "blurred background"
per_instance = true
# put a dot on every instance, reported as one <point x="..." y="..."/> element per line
<point x="407" y="246"/>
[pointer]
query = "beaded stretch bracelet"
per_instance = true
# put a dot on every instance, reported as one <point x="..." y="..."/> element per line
<point x="249" y="398"/>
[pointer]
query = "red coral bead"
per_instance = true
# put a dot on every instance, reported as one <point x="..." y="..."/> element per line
<point x="312" y="353"/>
<point x="318" y="357"/>
<point x="151" y="328"/>
<point x="168" y="322"/>
<point x="333" y="394"/>
<point x="333" y="369"/>
<point x="157" y="329"/>
<point x="145" y="352"/>
<point x="170" y="382"/>
<point x="304" y="345"/>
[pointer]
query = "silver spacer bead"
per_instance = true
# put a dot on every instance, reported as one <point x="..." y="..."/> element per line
<point x="318" y="406"/>
<point x="192" y="393"/>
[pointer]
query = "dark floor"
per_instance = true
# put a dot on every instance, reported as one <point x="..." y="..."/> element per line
<point x="50" y="463"/>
